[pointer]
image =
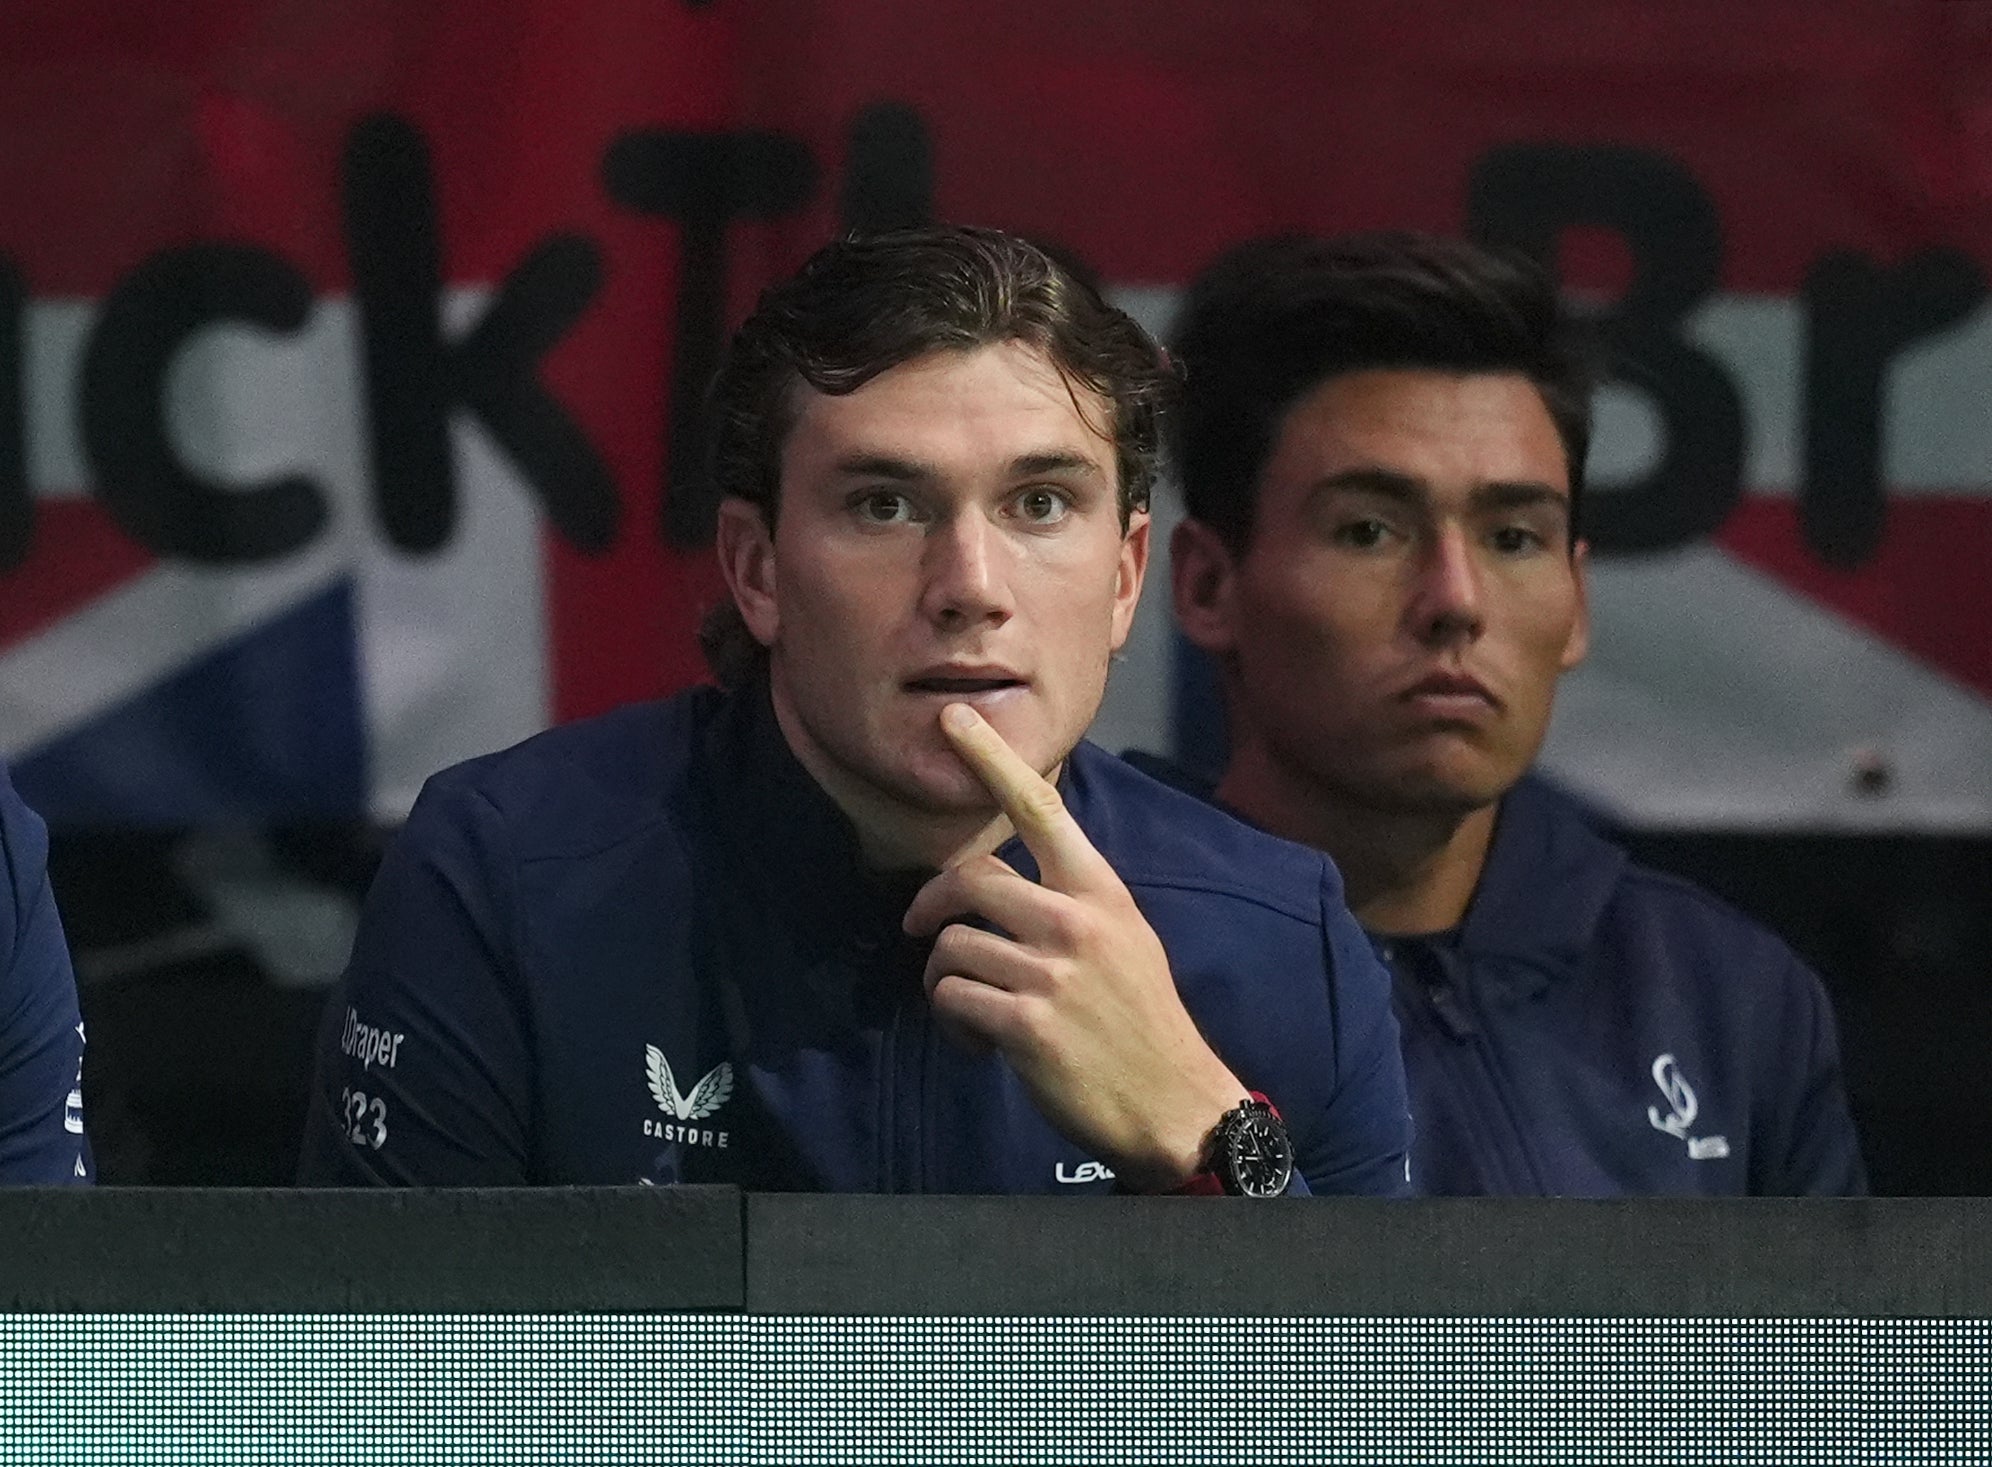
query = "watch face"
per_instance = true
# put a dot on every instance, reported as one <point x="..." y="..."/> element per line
<point x="1259" y="1153"/>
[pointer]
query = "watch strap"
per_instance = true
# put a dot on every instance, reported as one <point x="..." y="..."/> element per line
<point x="1207" y="1183"/>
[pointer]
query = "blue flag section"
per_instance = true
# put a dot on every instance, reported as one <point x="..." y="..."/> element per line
<point x="267" y="727"/>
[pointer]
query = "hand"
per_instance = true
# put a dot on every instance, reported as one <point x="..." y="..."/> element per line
<point x="1076" y="990"/>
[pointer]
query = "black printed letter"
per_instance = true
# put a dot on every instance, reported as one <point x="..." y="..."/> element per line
<point x="154" y="497"/>
<point x="414" y="377"/>
<point x="1857" y="317"/>
<point x="1523" y="197"/>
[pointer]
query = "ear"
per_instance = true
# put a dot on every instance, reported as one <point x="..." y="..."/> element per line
<point x="1204" y="576"/>
<point x="1580" y="629"/>
<point x="1133" y="570"/>
<point x="747" y="560"/>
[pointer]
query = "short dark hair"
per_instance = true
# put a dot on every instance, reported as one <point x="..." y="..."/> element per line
<point x="1272" y="319"/>
<point x="866" y="304"/>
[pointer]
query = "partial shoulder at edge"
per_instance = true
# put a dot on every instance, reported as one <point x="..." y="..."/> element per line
<point x="23" y="862"/>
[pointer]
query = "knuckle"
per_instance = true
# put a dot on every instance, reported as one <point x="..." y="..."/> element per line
<point x="1070" y="926"/>
<point x="1031" y="1023"/>
<point x="1056" y="976"/>
<point x="1040" y="798"/>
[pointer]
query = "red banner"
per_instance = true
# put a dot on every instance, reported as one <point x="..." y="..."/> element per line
<point x="357" y="348"/>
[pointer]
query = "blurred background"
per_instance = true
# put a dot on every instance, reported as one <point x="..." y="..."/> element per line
<point x="350" y="358"/>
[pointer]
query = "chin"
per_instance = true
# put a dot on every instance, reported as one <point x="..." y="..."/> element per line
<point x="943" y="786"/>
<point x="1442" y="791"/>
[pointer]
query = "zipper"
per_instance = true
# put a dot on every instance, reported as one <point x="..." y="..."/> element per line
<point x="888" y="1075"/>
<point x="909" y="1086"/>
<point x="1447" y="1007"/>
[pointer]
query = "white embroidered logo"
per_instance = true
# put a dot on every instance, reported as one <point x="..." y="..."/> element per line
<point x="1682" y="1108"/>
<point x="707" y="1096"/>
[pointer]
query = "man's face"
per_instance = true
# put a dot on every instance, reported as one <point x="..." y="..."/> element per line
<point x="1395" y="628"/>
<point x="950" y="532"/>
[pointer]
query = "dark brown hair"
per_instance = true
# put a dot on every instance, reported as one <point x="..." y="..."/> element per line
<point x="1270" y="320"/>
<point x="864" y="305"/>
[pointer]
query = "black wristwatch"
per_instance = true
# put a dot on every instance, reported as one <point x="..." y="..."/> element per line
<point x="1250" y="1152"/>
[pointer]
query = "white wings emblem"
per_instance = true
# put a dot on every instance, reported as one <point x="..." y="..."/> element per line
<point x="707" y="1096"/>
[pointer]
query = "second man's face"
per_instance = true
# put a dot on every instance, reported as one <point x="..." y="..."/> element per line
<point x="949" y="532"/>
<point x="1396" y="626"/>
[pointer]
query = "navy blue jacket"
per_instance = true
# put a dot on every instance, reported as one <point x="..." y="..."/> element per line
<point x="642" y="948"/>
<point x="41" y="1032"/>
<point x="1596" y="1028"/>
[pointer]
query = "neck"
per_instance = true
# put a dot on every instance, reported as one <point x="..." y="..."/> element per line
<point x="893" y="835"/>
<point x="1404" y="871"/>
<point x="893" y="838"/>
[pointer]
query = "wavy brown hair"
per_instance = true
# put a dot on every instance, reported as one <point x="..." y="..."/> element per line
<point x="864" y="305"/>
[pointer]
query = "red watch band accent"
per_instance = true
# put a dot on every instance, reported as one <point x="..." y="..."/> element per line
<point x="1206" y="1182"/>
<point x="1203" y="1184"/>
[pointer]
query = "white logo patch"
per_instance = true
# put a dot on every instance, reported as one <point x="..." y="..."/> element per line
<point x="72" y="1108"/>
<point x="1086" y="1171"/>
<point x="706" y="1097"/>
<point x="1682" y="1108"/>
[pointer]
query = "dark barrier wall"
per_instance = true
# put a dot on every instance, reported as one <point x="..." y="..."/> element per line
<point x="650" y="1250"/>
<point x="698" y="1326"/>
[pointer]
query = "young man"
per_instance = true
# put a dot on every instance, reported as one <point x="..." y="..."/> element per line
<point x="873" y="918"/>
<point x="1382" y="447"/>
<point x="41" y="1031"/>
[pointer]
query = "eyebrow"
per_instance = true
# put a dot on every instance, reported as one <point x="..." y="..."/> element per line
<point x="912" y="471"/>
<point x="1404" y="489"/>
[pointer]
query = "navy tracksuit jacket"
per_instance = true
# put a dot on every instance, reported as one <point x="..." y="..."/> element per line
<point x="1595" y="1028"/>
<point x="642" y="949"/>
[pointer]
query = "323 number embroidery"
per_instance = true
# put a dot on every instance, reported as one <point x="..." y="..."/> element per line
<point x="365" y="1118"/>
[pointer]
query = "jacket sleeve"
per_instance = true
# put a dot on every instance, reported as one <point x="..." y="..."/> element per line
<point x="1369" y="1147"/>
<point x="41" y="1029"/>
<point x="424" y="1071"/>
<point x="1815" y="1151"/>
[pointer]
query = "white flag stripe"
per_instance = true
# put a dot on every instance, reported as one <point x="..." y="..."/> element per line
<point x="54" y="334"/>
<point x="453" y="647"/>
<point x="1717" y="698"/>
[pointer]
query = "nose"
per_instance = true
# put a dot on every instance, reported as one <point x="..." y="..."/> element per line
<point x="1447" y="599"/>
<point x="966" y="574"/>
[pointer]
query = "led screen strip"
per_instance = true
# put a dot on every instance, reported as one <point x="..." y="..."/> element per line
<point x="745" y="1389"/>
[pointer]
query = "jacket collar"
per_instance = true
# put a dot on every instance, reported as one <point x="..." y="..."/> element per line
<point x="789" y="837"/>
<point x="1548" y="878"/>
<point x="786" y="836"/>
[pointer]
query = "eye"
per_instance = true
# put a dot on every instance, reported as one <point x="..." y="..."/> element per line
<point x="882" y="507"/>
<point x="1043" y="506"/>
<point x="1517" y="540"/>
<point x="1363" y="534"/>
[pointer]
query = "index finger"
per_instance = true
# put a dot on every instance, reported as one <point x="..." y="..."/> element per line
<point x="1066" y="859"/>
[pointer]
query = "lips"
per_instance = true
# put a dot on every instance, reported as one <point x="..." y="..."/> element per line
<point x="1453" y="694"/>
<point x="962" y="682"/>
<point x="1449" y="684"/>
